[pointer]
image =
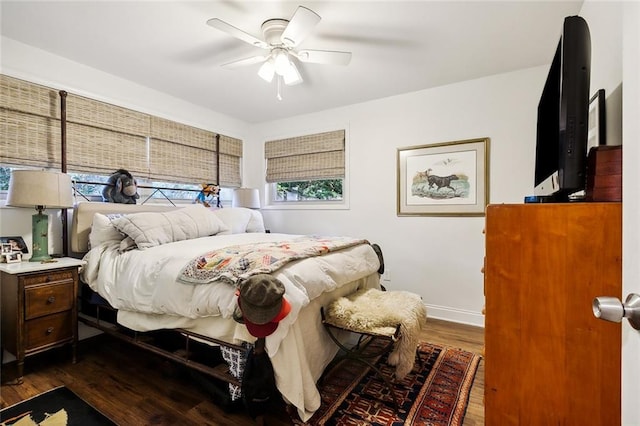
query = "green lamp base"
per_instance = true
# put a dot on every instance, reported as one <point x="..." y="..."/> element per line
<point x="40" y="230"/>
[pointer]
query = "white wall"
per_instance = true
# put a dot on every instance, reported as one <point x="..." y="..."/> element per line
<point x="605" y="27"/>
<point x="439" y="258"/>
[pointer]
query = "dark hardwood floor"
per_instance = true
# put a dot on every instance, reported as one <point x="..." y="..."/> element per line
<point x="134" y="387"/>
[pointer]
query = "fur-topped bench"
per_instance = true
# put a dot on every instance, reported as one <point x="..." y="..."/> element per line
<point x="398" y="315"/>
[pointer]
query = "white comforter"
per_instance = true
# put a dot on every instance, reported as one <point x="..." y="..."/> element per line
<point x="143" y="284"/>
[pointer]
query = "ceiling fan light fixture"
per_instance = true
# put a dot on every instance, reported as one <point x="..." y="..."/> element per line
<point x="267" y="71"/>
<point x="292" y="76"/>
<point x="281" y="62"/>
<point x="281" y="37"/>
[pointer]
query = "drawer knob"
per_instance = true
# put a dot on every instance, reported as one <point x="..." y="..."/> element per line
<point x="51" y="299"/>
<point x="49" y="330"/>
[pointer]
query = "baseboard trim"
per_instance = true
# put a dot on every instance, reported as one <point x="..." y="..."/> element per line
<point x="455" y="315"/>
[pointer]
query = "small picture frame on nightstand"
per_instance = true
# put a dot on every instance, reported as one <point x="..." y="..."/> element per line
<point x="5" y="248"/>
<point x="13" y="257"/>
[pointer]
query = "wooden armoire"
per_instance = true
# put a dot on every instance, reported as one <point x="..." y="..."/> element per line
<point x="548" y="360"/>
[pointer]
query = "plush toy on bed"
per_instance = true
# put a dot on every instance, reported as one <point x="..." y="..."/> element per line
<point x="208" y="190"/>
<point x="121" y="188"/>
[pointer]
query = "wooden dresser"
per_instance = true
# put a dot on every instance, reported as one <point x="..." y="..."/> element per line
<point x="39" y="307"/>
<point x="548" y="360"/>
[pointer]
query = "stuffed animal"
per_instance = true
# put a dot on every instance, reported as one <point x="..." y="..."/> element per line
<point x="121" y="188"/>
<point x="208" y="190"/>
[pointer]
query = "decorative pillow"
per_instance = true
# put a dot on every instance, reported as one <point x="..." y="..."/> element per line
<point x="102" y="230"/>
<point x="152" y="229"/>
<point x="241" y="219"/>
<point x="256" y="222"/>
<point x="127" y="244"/>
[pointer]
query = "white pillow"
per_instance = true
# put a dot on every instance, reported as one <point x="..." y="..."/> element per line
<point x="241" y="219"/>
<point x="256" y="223"/>
<point x="152" y="229"/>
<point x="102" y="230"/>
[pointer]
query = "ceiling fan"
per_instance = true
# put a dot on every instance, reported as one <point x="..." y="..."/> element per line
<point x="281" y="37"/>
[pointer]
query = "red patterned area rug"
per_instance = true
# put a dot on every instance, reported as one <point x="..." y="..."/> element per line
<point x="435" y="393"/>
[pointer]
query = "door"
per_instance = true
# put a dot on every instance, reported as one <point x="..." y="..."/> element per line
<point x="631" y="208"/>
<point x="547" y="359"/>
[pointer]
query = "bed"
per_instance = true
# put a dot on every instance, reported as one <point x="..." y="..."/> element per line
<point x="145" y="279"/>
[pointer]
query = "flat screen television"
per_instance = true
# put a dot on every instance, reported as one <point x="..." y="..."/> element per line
<point x="563" y="118"/>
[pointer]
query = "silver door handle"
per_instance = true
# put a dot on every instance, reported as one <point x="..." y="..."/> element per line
<point x="612" y="309"/>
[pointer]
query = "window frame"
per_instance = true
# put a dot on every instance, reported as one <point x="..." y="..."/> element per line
<point x="270" y="188"/>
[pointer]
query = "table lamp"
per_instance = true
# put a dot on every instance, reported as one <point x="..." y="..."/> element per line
<point x="40" y="189"/>
<point x="246" y="197"/>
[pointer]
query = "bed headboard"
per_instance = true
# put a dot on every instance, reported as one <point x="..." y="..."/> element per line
<point x="237" y="219"/>
<point x="83" y="217"/>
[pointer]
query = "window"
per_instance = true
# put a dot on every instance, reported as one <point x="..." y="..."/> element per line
<point x="88" y="187"/>
<point x="5" y="173"/>
<point x="306" y="170"/>
<point x="309" y="190"/>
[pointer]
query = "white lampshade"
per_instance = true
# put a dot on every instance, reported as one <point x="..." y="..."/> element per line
<point x="281" y="62"/>
<point x="292" y="76"/>
<point x="267" y="70"/>
<point x="246" y="197"/>
<point x="32" y="188"/>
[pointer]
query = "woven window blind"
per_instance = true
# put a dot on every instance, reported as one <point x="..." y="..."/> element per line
<point x="183" y="153"/>
<point x="29" y="124"/>
<point x="230" y="155"/>
<point x="317" y="156"/>
<point x="102" y="137"/>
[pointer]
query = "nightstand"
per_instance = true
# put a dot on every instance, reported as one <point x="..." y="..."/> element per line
<point x="39" y="307"/>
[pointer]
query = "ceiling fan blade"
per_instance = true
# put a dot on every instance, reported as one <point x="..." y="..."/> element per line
<point x="329" y="57"/>
<point x="246" y="61"/>
<point x="236" y="32"/>
<point x="300" y="26"/>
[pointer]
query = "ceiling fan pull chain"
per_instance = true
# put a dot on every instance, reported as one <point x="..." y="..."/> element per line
<point x="279" y="82"/>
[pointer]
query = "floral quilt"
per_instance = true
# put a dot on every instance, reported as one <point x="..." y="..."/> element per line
<point x="237" y="263"/>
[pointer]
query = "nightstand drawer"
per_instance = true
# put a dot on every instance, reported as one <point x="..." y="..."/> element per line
<point x="48" y="277"/>
<point x="48" y="299"/>
<point x="48" y="330"/>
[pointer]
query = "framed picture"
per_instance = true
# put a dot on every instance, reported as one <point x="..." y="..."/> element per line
<point x="597" y="132"/>
<point x="5" y="248"/>
<point x="13" y="257"/>
<point x="444" y="179"/>
<point x="16" y="244"/>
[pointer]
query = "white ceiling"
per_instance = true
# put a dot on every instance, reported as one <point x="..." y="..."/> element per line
<point x="397" y="46"/>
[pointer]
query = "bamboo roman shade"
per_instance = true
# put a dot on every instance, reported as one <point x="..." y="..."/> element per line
<point x="317" y="156"/>
<point x="30" y="124"/>
<point x="177" y="147"/>
<point x="102" y="137"/>
<point x="230" y="155"/>
<point x="192" y="151"/>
